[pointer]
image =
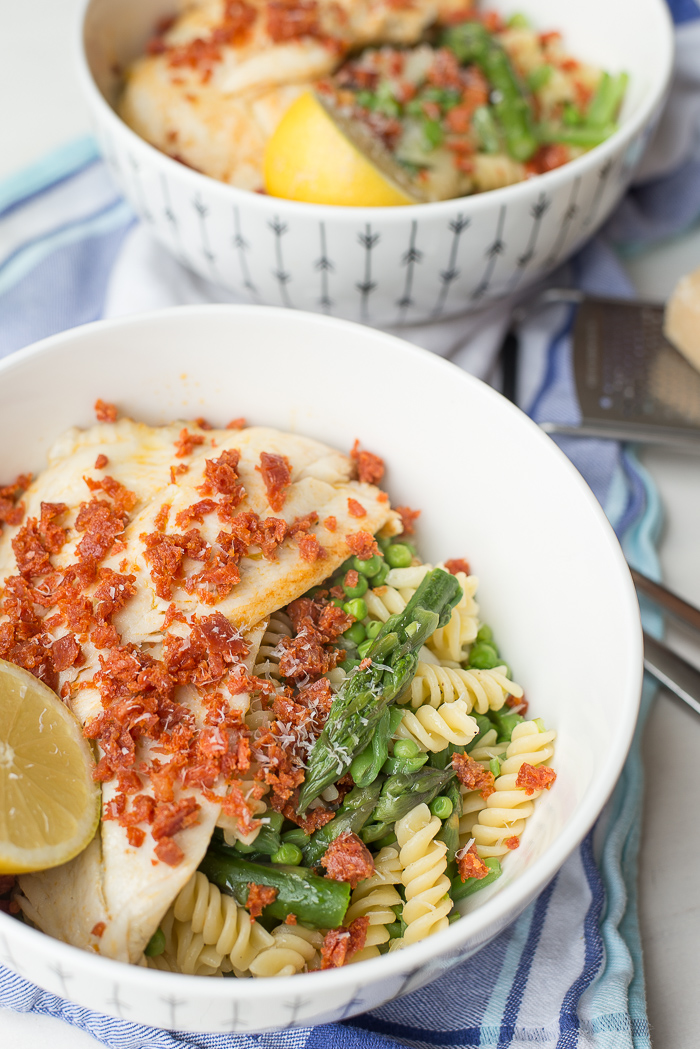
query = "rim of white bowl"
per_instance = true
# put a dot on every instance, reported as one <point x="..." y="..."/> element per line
<point x="474" y="203"/>
<point x="512" y="898"/>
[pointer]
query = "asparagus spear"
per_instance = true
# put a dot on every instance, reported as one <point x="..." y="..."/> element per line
<point x="402" y="793"/>
<point x="449" y="832"/>
<point x="364" y="696"/>
<point x="460" y="888"/>
<point x="315" y="901"/>
<point x="606" y="101"/>
<point x="351" y="816"/>
<point x="472" y="42"/>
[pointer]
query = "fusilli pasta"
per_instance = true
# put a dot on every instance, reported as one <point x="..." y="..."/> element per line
<point x="481" y="690"/>
<point x="506" y="810"/>
<point x="267" y="663"/>
<point x="424" y="861"/>
<point x="433" y="729"/>
<point x="293" y="949"/>
<point x="375" y="897"/>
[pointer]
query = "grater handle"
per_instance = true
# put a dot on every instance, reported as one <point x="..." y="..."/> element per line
<point x="669" y="438"/>
<point x="673" y="672"/>
<point x="670" y="602"/>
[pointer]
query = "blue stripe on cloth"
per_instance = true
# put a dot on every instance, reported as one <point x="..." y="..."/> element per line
<point x="683" y="10"/>
<point x="568" y="1038"/>
<point x="117" y="214"/>
<point x="66" y="288"/>
<point x="48" y="173"/>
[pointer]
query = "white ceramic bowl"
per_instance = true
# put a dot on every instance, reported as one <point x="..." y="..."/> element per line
<point x="493" y="488"/>
<point x="385" y="265"/>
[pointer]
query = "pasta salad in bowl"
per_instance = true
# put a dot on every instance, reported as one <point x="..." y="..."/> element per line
<point x="312" y="755"/>
<point x="267" y="144"/>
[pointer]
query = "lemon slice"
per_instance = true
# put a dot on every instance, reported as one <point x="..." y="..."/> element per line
<point x="319" y="158"/>
<point x="49" y="803"/>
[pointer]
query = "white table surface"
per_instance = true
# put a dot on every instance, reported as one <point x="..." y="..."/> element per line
<point x="41" y="108"/>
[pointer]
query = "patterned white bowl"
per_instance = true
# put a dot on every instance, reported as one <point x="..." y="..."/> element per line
<point x="493" y="488"/>
<point x="385" y="265"/>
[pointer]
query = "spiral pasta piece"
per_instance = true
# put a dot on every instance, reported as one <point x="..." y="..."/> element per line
<point x="268" y="659"/>
<point x="453" y="640"/>
<point x="293" y="949"/>
<point x="207" y="933"/>
<point x="506" y="810"/>
<point x="375" y="898"/>
<point x="424" y="861"/>
<point x="434" y="729"/>
<point x="481" y="690"/>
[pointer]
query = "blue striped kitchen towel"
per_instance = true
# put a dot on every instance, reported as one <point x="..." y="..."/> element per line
<point x="568" y="972"/>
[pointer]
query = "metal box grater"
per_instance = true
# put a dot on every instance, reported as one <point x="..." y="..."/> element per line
<point x="632" y="384"/>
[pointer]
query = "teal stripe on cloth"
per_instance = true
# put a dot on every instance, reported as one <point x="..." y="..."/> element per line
<point x="51" y="169"/>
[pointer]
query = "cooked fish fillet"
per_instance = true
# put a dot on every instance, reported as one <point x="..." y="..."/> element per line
<point x="216" y="114"/>
<point x="112" y="898"/>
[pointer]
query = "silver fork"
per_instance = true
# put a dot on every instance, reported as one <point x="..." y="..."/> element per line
<point x="670" y="669"/>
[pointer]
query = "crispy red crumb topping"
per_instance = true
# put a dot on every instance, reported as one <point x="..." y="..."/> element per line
<point x="105" y="412"/>
<point x="470" y="864"/>
<point x="259" y="897"/>
<point x="348" y="859"/>
<point x="457" y="564"/>
<point x="340" y="944"/>
<point x="472" y="775"/>
<point x="370" y="467"/>
<point x="535" y="777"/>
<point x="408" y="517"/>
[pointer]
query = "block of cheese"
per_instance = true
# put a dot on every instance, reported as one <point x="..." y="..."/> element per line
<point x="682" y="319"/>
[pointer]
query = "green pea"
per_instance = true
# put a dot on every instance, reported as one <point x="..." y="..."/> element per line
<point x="441" y="807"/>
<point x="296" y="837"/>
<point x="370" y="567"/>
<point x="355" y="608"/>
<point x="373" y="628"/>
<point x="380" y="578"/>
<point x="356" y="634"/>
<point x="483" y="656"/>
<point x="399" y="556"/>
<point x="485" y="633"/>
<point x="156" y="944"/>
<point x="363" y="649"/>
<point x="349" y="664"/>
<point x="338" y="602"/>
<point x="288" y="854"/>
<point x="406" y="748"/>
<point x="356" y="591"/>
<point x="383" y="542"/>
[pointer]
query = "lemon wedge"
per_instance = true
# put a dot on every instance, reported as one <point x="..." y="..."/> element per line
<point x="310" y="158"/>
<point x="49" y="803"/>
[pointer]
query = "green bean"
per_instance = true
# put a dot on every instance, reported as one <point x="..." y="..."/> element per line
<point x="401" y="793"/>
<point x="156" y="944"/>
<point x="296" y="837"/>
<point x="460" y="888"/>
<point x="449" y="832"/>
<point x="315" y="901"/>
<point x="606" y="101"/>
<point x="355" y="634"/>
<point x="505" y="722"/>
<point x="289" y="854"/>
<point x="471" y="42"/>
<point x="486" y="128"/>
<point x="484" y="656"/>
<point x="386" y="841"/>
<point x="266" y="842"/>
<point x="370" y="567"/>
<point x="361" y="699"/>
<point x="539" y="78"/>
<point x="367" y="765"/>
<point x="584" y="135"/>
<point x="352" y="815"/>
<point x="394" y="766"/>
<point x="399" y="556"/>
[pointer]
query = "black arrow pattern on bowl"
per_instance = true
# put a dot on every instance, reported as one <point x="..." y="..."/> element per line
<point x="143" y="207"/>
<point x="603" y="176"/>
<point x="242" y="246"/>
<point x="447" y="276"/>
<point x="410" y="259"/>
<point x="538" y="210"/>
<point x="281" y="275"/>
<point x="368" y="241"/>
<point x="493" y="253"/>
<point x="572" y="210"/>
<point x="324" y="266"/>
<point x="202" y="214"/>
